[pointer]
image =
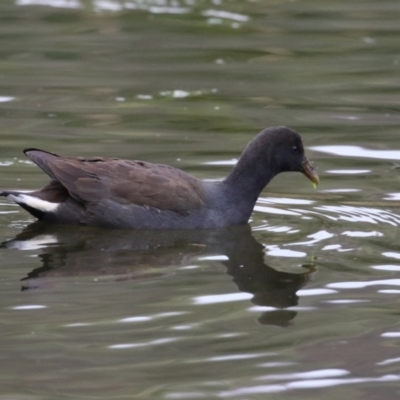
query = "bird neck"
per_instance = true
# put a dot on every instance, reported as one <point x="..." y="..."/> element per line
<point x="249" y="177"/>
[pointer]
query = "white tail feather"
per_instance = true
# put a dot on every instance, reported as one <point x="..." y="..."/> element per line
<point x="34" y="202"/>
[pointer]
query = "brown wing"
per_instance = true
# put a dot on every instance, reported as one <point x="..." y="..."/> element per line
<point x="127" y="182"/>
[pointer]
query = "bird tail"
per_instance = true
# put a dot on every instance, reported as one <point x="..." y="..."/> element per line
<point x="6" y="193"/>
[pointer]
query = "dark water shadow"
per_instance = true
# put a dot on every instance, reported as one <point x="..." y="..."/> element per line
<point x="67" y="251"/>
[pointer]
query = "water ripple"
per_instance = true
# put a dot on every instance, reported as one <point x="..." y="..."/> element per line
<point x="391" y="334"/>
<point x="5" y="99"/>
<point x="358" y="151"/>
<point x="273" y="210"/>
<point x="238" y="357"/>
<point x="50" y="3"/>
<point x="222" y="298"/>
<point x="314" y="292"/>
<point x="362" y="285"/>
<point x="304" y="384"/>
<point x="29" y="307"/>
<point x="226" y="15"/>
<point x="386" y="267"/>
<point x="315" y="238"/>
<point x="276" y="251"/>
<point x="155" y="342"/>
<point x="348" y="171"/>
<point x="360" y="214"/>
<point x="321" y="373"/>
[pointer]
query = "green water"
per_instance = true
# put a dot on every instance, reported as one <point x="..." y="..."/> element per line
<point x="304" y="302"/>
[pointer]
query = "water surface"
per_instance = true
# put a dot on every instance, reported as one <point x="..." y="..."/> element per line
<point x="301" y="303"/>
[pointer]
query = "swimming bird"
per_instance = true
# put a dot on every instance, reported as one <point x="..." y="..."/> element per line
<point x="120" y="193"/>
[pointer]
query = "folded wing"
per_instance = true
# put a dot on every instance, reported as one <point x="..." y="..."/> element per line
<point x="126" y="182"/>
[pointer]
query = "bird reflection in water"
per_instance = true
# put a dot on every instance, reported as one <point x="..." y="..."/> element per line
<point x="128" y="254"/>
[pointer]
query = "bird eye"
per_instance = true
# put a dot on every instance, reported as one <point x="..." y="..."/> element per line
<point x="294" y="148"/>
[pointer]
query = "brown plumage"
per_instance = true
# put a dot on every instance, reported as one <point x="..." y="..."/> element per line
<point x="127" y="182"/>
<point x="137" y="194"/>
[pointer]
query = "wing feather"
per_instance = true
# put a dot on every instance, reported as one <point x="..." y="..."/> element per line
<point x="123" y="181"/>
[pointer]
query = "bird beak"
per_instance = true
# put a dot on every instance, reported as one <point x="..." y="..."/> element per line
<point x="309" y="171"/>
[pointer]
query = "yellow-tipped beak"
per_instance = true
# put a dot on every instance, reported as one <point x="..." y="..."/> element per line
<point x="309" y="171"/>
